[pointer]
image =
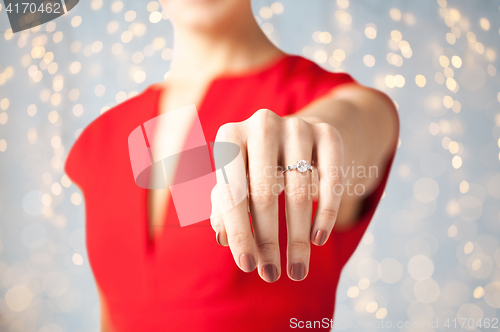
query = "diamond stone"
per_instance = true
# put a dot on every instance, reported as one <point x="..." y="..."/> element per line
<point x="302" y="166"/>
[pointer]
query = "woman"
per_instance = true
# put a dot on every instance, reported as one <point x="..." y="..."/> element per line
<point x="152" y="274"/>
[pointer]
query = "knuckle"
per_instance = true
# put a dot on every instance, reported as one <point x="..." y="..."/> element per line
<point x="298" y="195"/>
<point x="296" y="124"/>
<point x="298" y="129"/>
<point x="264" y="113"/>
<point x="216" y="226"/>
<point x="299" y="246"/>
<point x="262" y="196"/>
<point x="330" y="176"/>
<point x="337" y="138"/>
<point x="267" y="245"/>
<point x="325" y="129"/>
<point x="265" y="122"/>
<point x="227" y="132"/>
<point x="229" y="194"/>
<point x="332" y="179"/>
<point x="329" y="132"/>
<point x="240" y="239"/>
<point x="329" y="213"/>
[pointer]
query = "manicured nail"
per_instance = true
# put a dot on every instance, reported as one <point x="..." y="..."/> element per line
<point x="217" y="238"/>
<point x="270" y="273"/>
<point x="247" y="263"/>
<point x="297" y="271"/>
<point x="319" y="238"/>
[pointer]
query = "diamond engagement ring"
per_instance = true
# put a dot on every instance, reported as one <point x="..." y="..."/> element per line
<point x="302" y="166"/>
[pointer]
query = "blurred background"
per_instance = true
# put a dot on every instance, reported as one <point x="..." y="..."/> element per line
<point x="432" y="250"/>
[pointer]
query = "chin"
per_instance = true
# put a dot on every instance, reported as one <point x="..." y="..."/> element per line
<point x="205" y="14"/>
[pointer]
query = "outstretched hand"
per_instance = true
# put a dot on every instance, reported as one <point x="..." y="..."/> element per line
<point x="269" y="144"/>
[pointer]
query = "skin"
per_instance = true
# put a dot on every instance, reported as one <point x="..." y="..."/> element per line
<point x="352" y="123"/>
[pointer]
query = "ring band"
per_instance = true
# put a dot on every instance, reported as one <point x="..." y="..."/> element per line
<point x="302" y="166"/>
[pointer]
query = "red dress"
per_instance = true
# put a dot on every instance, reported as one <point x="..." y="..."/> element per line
<point x="185" y="281"/>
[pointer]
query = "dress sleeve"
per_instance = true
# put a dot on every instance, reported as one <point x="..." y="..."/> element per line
<point x="314" y="82"/>
<point x="82" y="161"/>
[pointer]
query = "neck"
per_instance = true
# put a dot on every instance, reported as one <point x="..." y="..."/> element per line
<point x="200" y="56"/>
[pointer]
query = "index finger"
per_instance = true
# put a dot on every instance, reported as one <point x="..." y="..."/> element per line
<point x="231" y="196"/>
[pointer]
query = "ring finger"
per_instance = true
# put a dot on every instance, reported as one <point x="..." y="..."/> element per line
<point x="298" y="198"/>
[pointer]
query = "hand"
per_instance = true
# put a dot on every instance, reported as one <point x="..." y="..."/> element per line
<point x="268" y="144"/>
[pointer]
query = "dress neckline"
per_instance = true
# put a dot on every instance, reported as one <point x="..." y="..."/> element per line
<point x="262" y="69"/>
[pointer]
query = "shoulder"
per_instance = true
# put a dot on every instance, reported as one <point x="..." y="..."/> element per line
<point x="305" y="81"/>
<point x="300" y="68"/>
<point x="118" y="115"/>
<point x="98" y="133"/>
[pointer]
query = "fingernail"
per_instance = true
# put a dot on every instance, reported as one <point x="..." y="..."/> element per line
<point x="319" y="238"/>
<point x="247" y="263"/>
<point x="217" y="234"/>
<point x="297" y="271"/>
<point x="270" y="273"/>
